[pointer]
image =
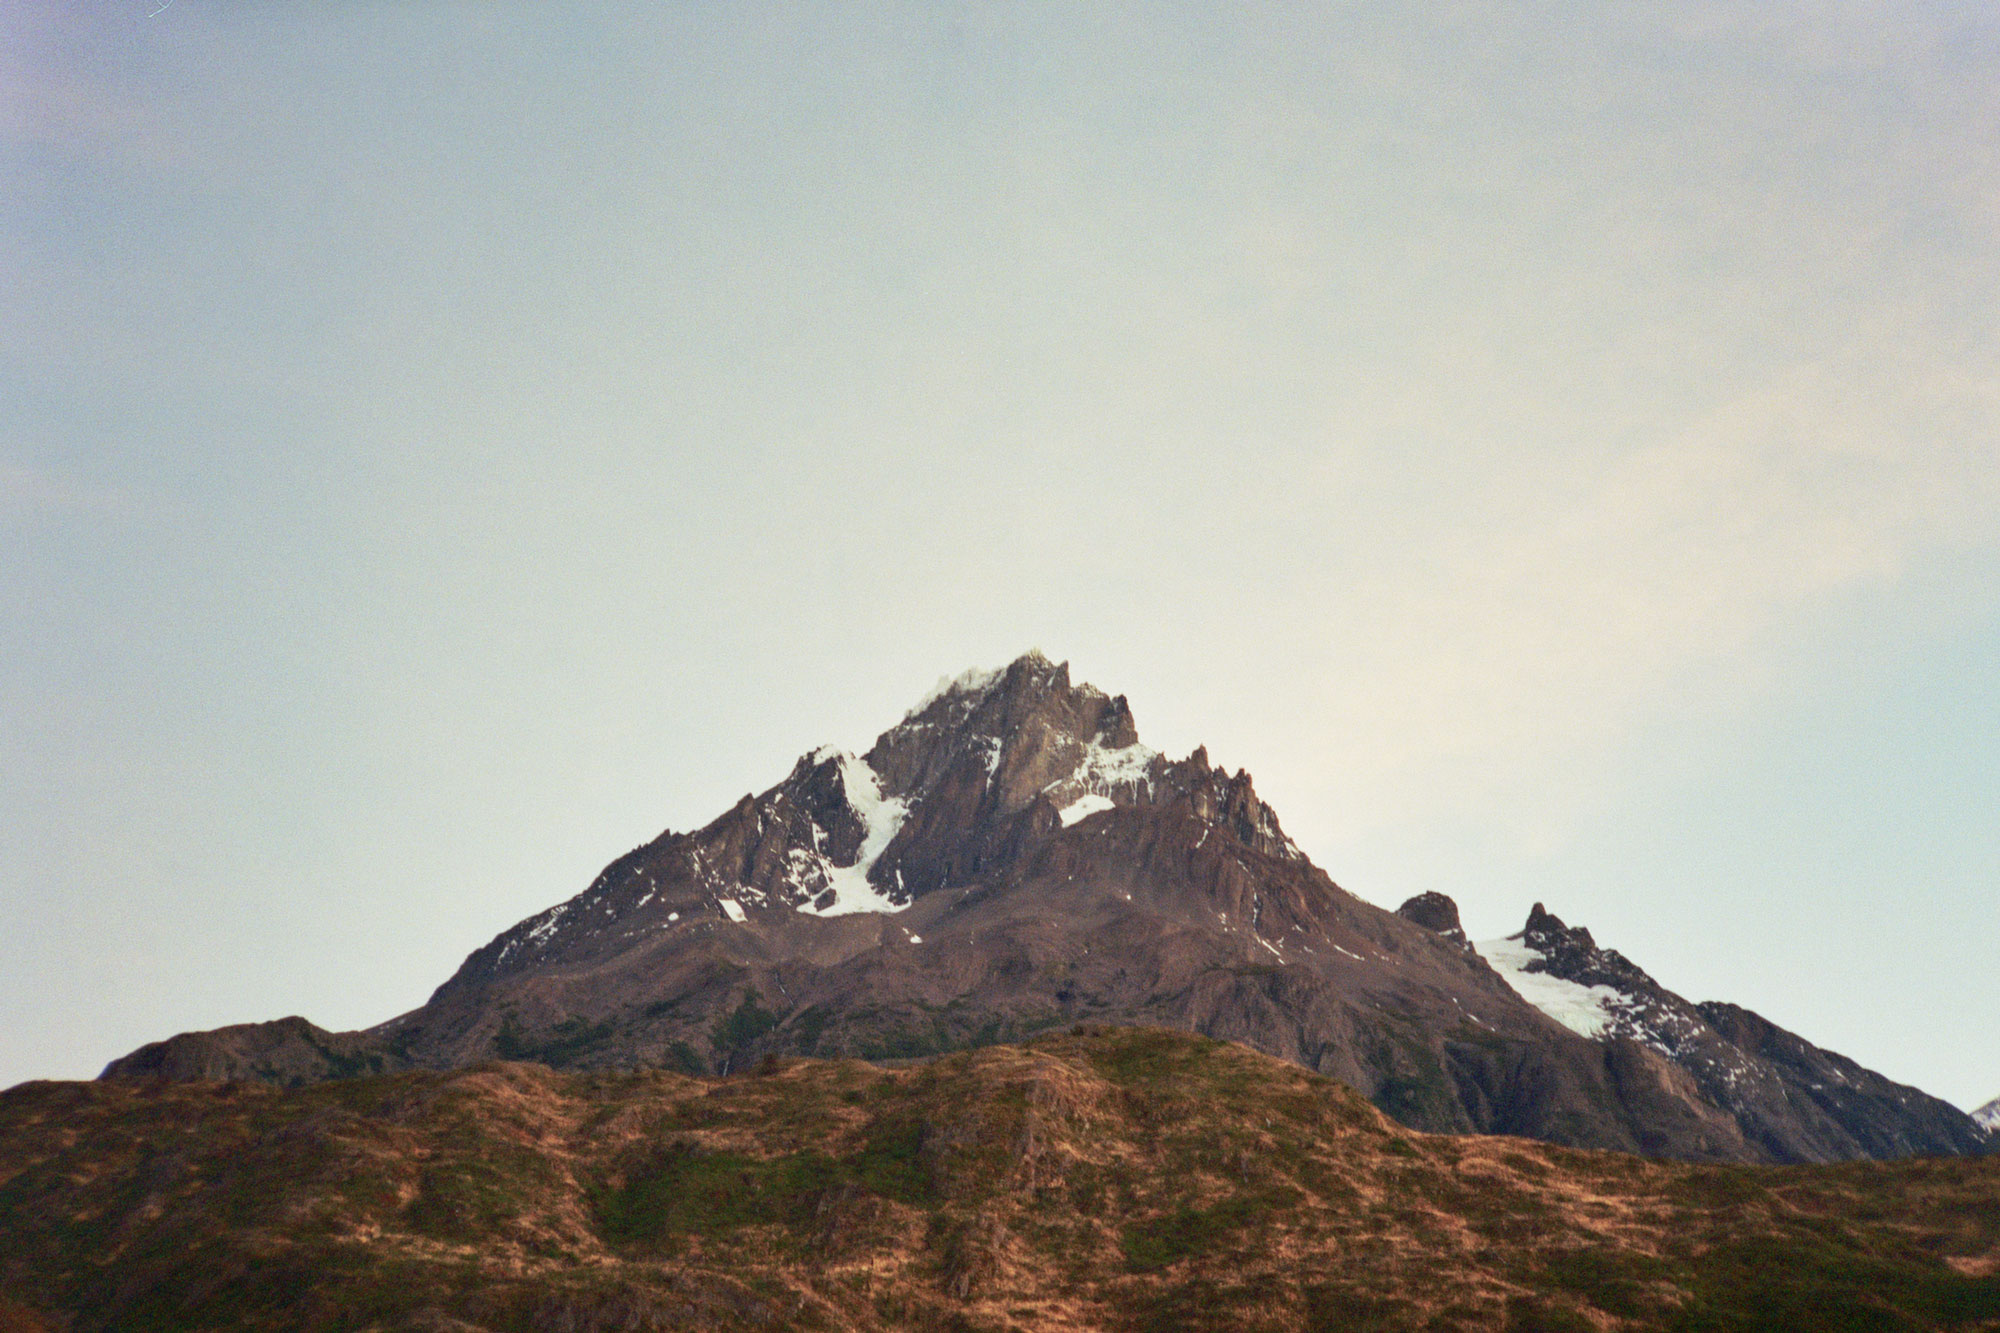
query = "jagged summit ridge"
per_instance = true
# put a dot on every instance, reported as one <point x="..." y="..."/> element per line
<point x="985" y="768"/>
<point x="1026" y="730"/>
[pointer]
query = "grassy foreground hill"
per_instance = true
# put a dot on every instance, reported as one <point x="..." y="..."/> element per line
<point x="1107" y="1178"/>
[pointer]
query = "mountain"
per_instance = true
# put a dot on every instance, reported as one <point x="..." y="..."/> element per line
<point x="1010" y="858"/>
<point x="1789" y="1097"/>
<point x="1987" y="1117"/>
<point x="1099" y="1178"/>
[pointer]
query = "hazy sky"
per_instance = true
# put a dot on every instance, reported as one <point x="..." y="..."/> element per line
<point x="1556" y="448"/>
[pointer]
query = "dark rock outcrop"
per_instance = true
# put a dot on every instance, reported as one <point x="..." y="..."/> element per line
<point x="287" y="1051"/>
<point x="1437" y="913"/>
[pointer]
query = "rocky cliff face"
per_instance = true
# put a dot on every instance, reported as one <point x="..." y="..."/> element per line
<point x="1010" y="858"/>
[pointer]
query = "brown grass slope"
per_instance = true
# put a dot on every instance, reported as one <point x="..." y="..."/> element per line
<point x="1108" y="1178"/>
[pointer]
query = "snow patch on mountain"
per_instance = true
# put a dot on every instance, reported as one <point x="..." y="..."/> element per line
<point x="1100" y="776"/>
<point x="881" y="819"/>
<point x="1585" y="1010"/>
<point x="1084" y="806"/>
<point x="1987" y="1117"/>
<point x="1107" y="770"/>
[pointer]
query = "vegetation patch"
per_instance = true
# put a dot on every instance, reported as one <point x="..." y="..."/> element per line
<point x="1201" y="1305"/>
<point x="1413" y="1087"/>
<point x="746" y="1023"/>
<point x="1623" y="1284"/>
<point x="1185" y="1232"/>
<point x="572" y="1037"/>
<point x="1336" y="1309"/>
<point x="470" y="1196"/>
<point x="683" y="1059"/>
<point x="807" y="1025"/>
<point x="946" y="1034"/>
<point x="1832" y="1285"/>
<point x="685" y="1189"/>
<point x="1147" y="1055"/>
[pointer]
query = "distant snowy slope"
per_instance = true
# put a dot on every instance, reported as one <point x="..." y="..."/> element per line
<point x="1800" y="1102"/>
<point x="1582" y="1009"/>
<point x="1987" y="1117"/>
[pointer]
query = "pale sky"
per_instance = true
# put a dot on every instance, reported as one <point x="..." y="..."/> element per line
<point x="1555" y="448"/>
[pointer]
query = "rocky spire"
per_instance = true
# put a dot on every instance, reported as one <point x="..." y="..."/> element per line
<point x="1435" y="912"/>
<point x="1022" y="731"/>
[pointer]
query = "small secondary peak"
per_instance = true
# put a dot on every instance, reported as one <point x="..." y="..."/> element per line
<point x="1435" y="912"/>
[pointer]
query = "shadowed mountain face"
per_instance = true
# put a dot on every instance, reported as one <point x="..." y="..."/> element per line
<point x="1010" y="858"/>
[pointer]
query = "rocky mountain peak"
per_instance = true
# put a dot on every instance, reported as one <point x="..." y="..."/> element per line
<point x="1546" y="933"/>
<point x="1015" y="752"/>
<point x="1569" y="952"/>
<point x="987" y="767"/>
<point x="1021" y="731"/>
<point x="1987" y="1117"/>
<point x="1435" y="912"/>
<point x="1009" y="857"/>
